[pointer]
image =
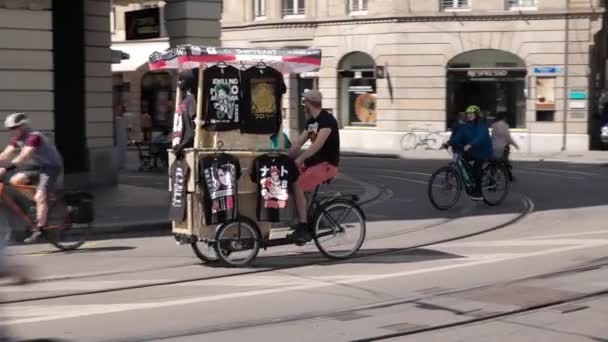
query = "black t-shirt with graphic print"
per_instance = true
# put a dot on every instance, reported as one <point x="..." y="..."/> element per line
<point x="223" y="98"/>
<point x="275" y="175"/>
<point x="218" y="177"/>
<point x="330" y="152"/>
<point x="179" y="178"/>
<point x="263" y="88"/>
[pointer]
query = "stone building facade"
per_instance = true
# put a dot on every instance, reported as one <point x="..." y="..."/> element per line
<point x="55" y="65"/>
<point x="393" y="66"/>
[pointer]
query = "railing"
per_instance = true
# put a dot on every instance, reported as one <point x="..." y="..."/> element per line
<point x="455" y="4"/>
<point x="521" y="3"/>
<point x="294" y="11"/>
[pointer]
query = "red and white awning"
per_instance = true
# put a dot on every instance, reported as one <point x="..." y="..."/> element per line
<point x="284" y="60"/>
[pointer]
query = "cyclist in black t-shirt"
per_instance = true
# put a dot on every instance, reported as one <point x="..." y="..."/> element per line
<point x="320" y="161"/>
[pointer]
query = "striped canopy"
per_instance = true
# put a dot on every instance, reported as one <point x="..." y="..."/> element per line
<point x="284" y="60"/>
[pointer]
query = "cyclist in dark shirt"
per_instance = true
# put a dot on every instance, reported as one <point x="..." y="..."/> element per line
<point x="319" y="162"/>
<point x="32" y="157"/>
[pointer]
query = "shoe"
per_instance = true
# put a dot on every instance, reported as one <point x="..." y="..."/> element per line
<point x="34" y="237"/>
<point x="301" y="234"/>
<point x="477" y="197"/>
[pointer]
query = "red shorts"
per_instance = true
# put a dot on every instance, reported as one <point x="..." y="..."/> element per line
<point x="317" y="174"/>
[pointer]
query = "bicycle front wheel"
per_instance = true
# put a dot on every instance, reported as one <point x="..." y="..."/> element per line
<point x="444" y="188"/>
<point x="495" y="184"/>
<point x="409" y="141"/>
<point x="238" y="243"/>
<point x="339" y="229"/>
<point x="60" y="231"/>
<point x="204" y="251"/>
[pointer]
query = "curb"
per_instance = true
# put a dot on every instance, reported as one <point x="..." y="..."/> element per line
<point x="370" y="155"/>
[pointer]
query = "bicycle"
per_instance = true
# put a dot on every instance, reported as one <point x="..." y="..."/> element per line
<point x="68" y="218"/>
<point x="431" y="141"/>
<point x="458" y="175"/>
<point x="336" y="234"/>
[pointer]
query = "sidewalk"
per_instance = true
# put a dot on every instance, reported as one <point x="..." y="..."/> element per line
<point x="140" y="203"/>
<point x="584" y="157"/>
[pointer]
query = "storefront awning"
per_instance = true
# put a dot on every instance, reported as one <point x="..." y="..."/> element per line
<point x="138" y="52"/>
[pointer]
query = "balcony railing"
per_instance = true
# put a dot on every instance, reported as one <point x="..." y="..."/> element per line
<point x="293" y="11"/>
<point x="521" y="3"/>
<point x="455" y="4"/>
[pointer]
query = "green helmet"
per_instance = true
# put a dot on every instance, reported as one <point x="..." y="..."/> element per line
<point x="473" y="109"/>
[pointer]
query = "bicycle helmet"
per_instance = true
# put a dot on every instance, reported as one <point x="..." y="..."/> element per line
<point x="473" y="109"/>
<point x="15" y="120"/>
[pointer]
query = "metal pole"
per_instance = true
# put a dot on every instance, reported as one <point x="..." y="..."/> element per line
<point x="566" y="60"/>
<point x="198" y="129"/>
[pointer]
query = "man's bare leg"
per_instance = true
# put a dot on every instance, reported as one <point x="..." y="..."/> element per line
<point x="301" y="204"/>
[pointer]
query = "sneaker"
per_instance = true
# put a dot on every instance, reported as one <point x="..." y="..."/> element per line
<point x="477" y="197"/>
<point x="301" y="234"/>
<point x="34" y="237"/>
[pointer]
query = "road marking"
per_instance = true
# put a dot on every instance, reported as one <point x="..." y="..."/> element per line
<point x="396" y="171"/>
<point x="561" y="171"/>
<point x="593" y="232"/>
<point x="548" y="174"/>
<point x="404" y="179"/>
<point x="51" y="313"/>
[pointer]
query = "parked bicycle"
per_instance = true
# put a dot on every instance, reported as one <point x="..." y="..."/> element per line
<point x="337" y="224"/>
<point x="449" y="181"/>
<point x="69" y="214"/>
<point x="430" y="140"/>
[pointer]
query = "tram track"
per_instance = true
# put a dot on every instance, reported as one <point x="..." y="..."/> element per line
<point x="528" y="205"/>
<point x="388" y="304"/>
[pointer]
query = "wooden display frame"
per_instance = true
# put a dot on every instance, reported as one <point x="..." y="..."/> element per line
<point x="245" y="147"/>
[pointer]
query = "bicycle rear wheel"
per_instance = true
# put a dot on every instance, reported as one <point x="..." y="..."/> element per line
<point x="60" y="231"/>
<point x="409" y="141"/>
<point x="444" y="188"/>
<point x="339" y="229"/>
<point x="495" y="184"/>
<point x="434" y="141"/>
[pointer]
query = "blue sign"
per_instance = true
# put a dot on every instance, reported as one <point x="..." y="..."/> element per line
<point x="577" y="95"/>
<point x="548" y="70"/>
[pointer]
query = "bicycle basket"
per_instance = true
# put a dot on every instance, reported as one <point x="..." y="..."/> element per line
<point x="80" y="206"/>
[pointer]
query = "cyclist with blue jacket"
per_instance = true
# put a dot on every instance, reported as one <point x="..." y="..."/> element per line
<point x="475" y="138"/>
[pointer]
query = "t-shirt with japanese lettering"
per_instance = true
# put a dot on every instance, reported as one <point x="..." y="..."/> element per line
<point x="275" y="175"/>
<point x="263" y="88"/>
<point x="218" y="175"/>
<point x="223" y="97"/>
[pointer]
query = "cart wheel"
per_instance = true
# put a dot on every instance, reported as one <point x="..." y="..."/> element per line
<point x="204" y="251"/>
<point x="238" y="243"/>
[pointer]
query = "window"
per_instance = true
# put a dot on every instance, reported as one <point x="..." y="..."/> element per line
<point x="455" y="4"/>
<point x="519" y="4"/>
<point x="259" y="8"/>
<point x="355" y="6"/>
<point x="293" y="8"/>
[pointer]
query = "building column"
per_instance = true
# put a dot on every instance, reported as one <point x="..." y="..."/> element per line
<point x="195" y="22"/>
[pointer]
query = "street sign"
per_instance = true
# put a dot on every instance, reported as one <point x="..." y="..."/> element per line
<point x="578" y="104"/>
<point x="547" y="70"/>
<point x="577" y="95"/>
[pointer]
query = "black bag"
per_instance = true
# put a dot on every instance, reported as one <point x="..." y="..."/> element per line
<point x="80" y="206"/>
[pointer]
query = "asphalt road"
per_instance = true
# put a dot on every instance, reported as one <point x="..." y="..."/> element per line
<point x="474" y="273"/>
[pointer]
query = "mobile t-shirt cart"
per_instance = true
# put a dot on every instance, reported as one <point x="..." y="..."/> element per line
<point x="337" y="222"/>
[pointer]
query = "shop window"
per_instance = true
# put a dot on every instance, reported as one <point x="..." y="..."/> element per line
<point x="357" y="90"/>
<point x="157" y="98"/>
<point x="357" y="6"/>
<point x="451" y="5"/>
<point x="545" y="116"/>
<point x="293" y="8"/>
<point x="259" y="9"/>
<point x="545" y="94"/>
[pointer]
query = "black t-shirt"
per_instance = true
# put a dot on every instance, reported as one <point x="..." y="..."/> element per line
<point x="222" y="89"/>
<point x="218" y="175"/>
<point x="262" y="91"/>
<point x="178" y="177"/>
<point x="330" y="152"/>
<point x="275" y="175"/>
